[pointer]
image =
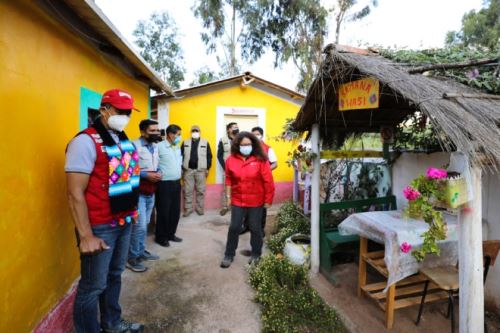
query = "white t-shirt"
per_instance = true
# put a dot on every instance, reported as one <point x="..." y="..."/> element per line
<point x="272" y="155"/>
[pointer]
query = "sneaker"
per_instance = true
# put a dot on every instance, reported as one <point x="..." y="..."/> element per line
<point x="187" y="213"/>
<point x="254" y="260"/>
<point x="125" y="327"/>
<point x="135" y="265"/>
<point x="200" y="211"/>
<point x="226" y="262"/>
<point x="224" y="211"/>
<point x="148" y="256"/>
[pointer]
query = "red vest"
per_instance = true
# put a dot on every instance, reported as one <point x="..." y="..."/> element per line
<point x="265" y="147"/>
<point x="97" y="192"/>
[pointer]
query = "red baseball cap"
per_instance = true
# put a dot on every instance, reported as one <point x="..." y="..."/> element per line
<point x="120" y="99"/>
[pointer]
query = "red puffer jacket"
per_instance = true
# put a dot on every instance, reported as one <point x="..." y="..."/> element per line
<point x="250" y="180"/>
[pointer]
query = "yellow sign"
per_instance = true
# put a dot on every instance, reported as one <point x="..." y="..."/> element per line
<point x="360" y="94"/>
<point x="331" y="154"/>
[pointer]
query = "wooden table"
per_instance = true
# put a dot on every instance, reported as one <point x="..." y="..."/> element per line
<point x="405" y="293"/>
<point x="403" y="286"/>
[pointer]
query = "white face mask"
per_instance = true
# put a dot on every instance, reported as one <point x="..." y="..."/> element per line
<point x="118" y="122"/>
<point x="195" y="135"/>
<point x="259" y="137"/>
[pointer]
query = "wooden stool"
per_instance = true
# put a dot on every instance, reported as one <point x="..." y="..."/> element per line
<point x="446" y="278"/>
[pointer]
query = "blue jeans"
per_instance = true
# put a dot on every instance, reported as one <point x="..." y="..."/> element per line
<point x="140" y="229"/>
<point x="100" y="281"/>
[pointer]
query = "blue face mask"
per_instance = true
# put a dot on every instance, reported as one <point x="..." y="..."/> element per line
<point x="245" y="150"/>
<point x="177" y="140"/>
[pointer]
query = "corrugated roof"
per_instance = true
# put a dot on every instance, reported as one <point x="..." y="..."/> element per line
<point x="246" y="77"/>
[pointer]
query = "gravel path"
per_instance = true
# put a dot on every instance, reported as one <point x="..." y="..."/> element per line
<point x="186" y="290"/>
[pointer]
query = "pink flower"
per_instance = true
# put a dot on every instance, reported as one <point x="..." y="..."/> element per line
<point x="410" y="193"/>
<point x="405" y="247"/>
<point x="434" y="173"/>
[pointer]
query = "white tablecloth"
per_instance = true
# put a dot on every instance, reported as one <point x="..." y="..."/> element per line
<point x="392" y="229"/>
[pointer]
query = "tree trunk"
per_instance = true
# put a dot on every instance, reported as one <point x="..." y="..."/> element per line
<point x="233" y="43"/>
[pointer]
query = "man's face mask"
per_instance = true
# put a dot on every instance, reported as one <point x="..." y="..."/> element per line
<point x="235" y="131"/>
<point x="195" y="135"/>
<point x="118" y="122"/>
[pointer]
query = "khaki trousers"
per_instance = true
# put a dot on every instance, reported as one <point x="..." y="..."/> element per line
<point x="194" y="180"/>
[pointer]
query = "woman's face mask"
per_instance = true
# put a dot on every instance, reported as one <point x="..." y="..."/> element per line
<point x="245" y="150"/>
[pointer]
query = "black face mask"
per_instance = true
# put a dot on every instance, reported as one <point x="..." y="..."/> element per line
<point x="153" y="138"/>
<point x="235" y="131"/>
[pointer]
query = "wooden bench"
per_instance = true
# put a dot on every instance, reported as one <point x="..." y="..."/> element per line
<point x="330" y="238"/>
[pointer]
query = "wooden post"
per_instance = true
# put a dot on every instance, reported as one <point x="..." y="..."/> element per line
<point x="363" y="250"/>
<point x="470" y="257"/>
<point x="307" y="193"/>
<point x="315" y="200"/>
<point x="389" y="306"/>
<point x="295" y="185"/>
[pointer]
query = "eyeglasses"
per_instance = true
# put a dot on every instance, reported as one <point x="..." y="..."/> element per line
<point x="194" y="131"/>
<point x="123" y="112"/>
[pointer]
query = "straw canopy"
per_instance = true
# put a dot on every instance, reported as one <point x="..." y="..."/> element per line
<point x="465" y="119"/>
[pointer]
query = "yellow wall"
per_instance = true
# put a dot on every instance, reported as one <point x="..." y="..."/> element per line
<point x="42" y="68"/>
<point x="201" y="110"/>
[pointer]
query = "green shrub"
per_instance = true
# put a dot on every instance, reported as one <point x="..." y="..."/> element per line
<point x="289" y="304"/>
<point x="290" y="216"/>
<point x="290" y="221"/>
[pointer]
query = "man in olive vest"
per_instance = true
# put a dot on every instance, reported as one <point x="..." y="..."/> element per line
<point x="223" y="152"/>
<point x="196" y="162"/>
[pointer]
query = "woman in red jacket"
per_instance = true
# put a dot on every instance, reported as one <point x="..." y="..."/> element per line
<point x="250" y="188"/>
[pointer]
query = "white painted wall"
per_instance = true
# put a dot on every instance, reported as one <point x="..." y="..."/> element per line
<point x="408" y="166"/>
<point x="491" y="213"/>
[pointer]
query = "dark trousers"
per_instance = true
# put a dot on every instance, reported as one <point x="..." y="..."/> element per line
<point x="253" y="217"/>
<point x="168" y="209"/>
<point x="100" y="281"/>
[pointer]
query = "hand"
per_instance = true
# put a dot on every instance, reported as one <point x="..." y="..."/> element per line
<point x="92" y="245"/>
<point x="153" y="177"/>
<point x="267" y="205"/>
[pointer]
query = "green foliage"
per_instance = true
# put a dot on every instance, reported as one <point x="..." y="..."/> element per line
<point x="416" y="133"/>
<point x="289" y="304"/>
<point x="484" y="77"/>
<point x="290" y="221"/>
<point x="290" y="216"/>
<point x="160" y="47"/>
<point x="204" y="75"/>
<point x="480" y="29"/>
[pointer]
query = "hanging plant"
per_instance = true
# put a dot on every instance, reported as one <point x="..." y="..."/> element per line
<point x="423" y="194"/>
<point x="302" y="158"/>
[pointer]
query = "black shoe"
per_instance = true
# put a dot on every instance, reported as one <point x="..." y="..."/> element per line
<point x="224" y="211"/>
<point x="135" y="265"/>
<point x="175" y="239"/>
<point x="125" y="327"/>
<point x="163" y="243"/>
<point x="226" y="262"/>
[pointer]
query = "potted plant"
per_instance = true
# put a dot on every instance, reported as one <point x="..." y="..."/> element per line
<point x="302" y="158"/>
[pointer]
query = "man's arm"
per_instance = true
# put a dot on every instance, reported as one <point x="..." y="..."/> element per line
<point x="77" y="184"/>
<point x="273" y="159"/>
<point x="209" y="156"/>
<point x="220" y="155"/>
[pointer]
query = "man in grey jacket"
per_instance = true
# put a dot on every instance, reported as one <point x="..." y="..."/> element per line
<point x="196" y="163"/>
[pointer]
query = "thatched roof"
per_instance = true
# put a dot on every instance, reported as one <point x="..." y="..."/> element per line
<point x="466" y="119"/>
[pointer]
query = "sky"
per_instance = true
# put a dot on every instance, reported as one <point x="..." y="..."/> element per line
<point x="413" y="24"/>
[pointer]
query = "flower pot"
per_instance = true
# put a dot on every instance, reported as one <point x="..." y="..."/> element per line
<point x="298" y="249"/>
<point x="454" y="192"/>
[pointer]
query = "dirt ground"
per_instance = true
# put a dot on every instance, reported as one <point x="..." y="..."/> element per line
<point x="364" y="316"/>
<point x="186" y="290"/>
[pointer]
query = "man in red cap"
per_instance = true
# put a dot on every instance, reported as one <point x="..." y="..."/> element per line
<point x="102" y="173"/>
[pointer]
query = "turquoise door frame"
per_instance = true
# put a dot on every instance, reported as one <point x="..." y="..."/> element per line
<point x="88" y="99"/>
